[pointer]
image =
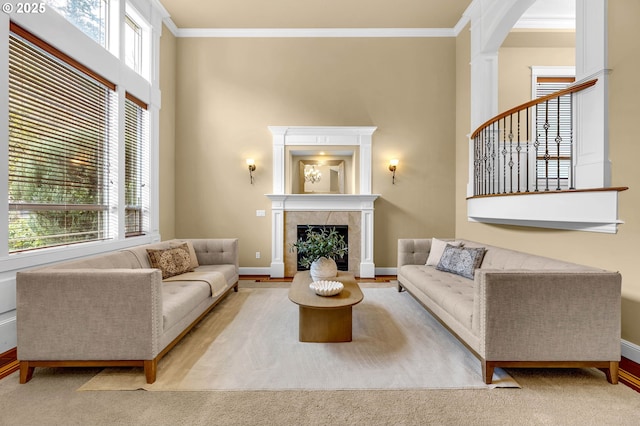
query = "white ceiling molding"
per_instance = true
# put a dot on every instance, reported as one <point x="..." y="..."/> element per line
<point x="314" y="32"/>
<point x="546" y="23"/>
<point x="168" y="22"/>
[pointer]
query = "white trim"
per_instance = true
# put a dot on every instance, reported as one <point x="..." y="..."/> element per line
<point x="386" y="271"/>
<point x="248" y="270"/>
<point x="594" y="211"/>
<point x="546" y="22"/>
<point x="8" y="332"/>
<point x="315" y="32"/>
<point x="630" y="351"/>
<point x="171" y="26"/>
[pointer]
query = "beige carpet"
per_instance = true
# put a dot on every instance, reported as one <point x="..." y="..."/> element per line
<point x="250" y="342"/>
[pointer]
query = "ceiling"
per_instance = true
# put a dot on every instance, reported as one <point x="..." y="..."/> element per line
<point x="243" y="14"/>
<point x="315" y="13"/>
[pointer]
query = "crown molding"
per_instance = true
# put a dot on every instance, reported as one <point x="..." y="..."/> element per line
<point x="546" y="23"/>
<point x="314" y="32"/>
<point x="171" y="26"/>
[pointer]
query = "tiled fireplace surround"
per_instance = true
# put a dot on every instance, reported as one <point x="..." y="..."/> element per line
<point x="290" y="210"/>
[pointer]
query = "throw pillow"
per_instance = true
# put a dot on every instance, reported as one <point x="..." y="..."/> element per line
<point x="171" y="261"/>
<point x="192" y="251"/>
<point x="437" y="248"/>
<point x="462" y="261"/>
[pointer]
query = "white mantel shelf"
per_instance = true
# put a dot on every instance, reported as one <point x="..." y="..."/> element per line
<point x="322" y="202"/>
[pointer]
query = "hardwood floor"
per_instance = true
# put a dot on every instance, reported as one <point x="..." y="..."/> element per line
<point x="9" y="362"/>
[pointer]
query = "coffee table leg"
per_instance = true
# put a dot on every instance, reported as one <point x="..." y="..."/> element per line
<point x="325" y="325"/>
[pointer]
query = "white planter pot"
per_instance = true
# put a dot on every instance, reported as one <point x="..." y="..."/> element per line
<point x="323" y="269"/>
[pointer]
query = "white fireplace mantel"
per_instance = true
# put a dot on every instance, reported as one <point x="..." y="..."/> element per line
<point x="281" y="201"/>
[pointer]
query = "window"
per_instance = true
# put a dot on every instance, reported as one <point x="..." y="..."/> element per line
<point x="60" y="134"/>
<point x="133" y="44"/>
<point x="553" y="135"/>
<point x="90" y="16"/>
<point x="136" y="145"/>
<point x="136" y="42"/>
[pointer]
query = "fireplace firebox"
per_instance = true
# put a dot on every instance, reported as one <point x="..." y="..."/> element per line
<point x="342" y="263"/>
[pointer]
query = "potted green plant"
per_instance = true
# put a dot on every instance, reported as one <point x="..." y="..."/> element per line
<point x="319" y="250"/>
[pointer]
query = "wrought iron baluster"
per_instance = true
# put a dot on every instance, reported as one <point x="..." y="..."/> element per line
<point x="546" y="145"/>
<point x="558" y="142"/>
<point x="518" y="149"/>
<point x="528" y="137"/>
<point x="504" y="155"/>
<point x="511" y="163"/>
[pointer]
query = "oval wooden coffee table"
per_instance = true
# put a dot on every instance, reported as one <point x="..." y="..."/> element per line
<point x="325" y="319"/>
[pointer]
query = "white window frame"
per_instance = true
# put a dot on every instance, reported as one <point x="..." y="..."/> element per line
<point x="56" y="30"/>
<point x="136" y="17"/>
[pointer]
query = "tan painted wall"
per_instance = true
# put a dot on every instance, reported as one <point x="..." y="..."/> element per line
<point x="167" y="134"/>
<point x="515" y="75"/>
<point x="230" y="90"/>
<point x="615" y="252"/>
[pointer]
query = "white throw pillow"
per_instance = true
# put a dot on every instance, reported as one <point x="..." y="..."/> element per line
<point x="437" y="248"/>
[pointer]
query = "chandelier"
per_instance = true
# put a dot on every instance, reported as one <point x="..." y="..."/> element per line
<point x="312" y="175"/>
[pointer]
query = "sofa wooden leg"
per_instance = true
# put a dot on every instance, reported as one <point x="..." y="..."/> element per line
<point x="612" y="372"/>
<point x="150" y="367"/>
<point x="235" y="288"/>
<point x="26" y="372"/>
<point x="400" y="288"/>
<point x="487" y="371"/>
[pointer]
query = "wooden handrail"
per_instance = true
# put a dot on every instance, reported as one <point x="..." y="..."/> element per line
<point x="612" y="188"/>
<point x="571" y="89"/>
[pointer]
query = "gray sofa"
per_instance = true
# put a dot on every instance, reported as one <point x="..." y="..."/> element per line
<point x="520" y="310"/>
<point x="115" y="309"/>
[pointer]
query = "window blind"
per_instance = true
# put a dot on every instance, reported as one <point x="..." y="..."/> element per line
<point x="554" y="113"/>
<point x="136" y="143"/>
<point x="60" y="129"/>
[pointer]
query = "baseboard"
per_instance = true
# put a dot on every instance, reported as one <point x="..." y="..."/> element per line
<point x="247" y="270"/>
<point x="631" y="351"/>
<point x="386" y="271"/>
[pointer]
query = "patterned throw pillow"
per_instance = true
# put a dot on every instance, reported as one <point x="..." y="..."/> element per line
<point x="437" y="248"/>
<point x="462" y="261"/>
<point x="171" y="261"/>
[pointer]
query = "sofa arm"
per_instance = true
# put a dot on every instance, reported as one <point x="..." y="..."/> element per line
<point x="217" y="251"/>
<point x="88" y="314"/>
<point x="413" y="251"/>
<point x="548" y="316"/>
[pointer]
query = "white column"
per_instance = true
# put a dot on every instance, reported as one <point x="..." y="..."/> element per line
<point x="367" y="266"/>
<point x="593" y="168"/>
<point x="365" y="163"/>
<point x="279" y="133"/>
<point x="277" y="239"/>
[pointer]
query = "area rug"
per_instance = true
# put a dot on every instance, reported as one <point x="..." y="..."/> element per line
<point x="250" y="342"/>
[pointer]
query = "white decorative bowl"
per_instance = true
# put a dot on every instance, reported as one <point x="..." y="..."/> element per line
<point x="326" y="288"/>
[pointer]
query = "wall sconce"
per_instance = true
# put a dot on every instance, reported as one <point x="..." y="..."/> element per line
<point x="393" y="165"/>
<point x="252" y="168"/>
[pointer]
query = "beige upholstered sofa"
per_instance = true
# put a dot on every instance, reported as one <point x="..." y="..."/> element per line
<point x="115" y="309"/>
<point x="519" y="310"/>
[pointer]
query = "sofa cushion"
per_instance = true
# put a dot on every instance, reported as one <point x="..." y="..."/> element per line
<point x="437" y="248"/>
<point x="179" y="298"/>
<point x="461" y="260"/>
<point x="171" y="261"/>
<point x="452" y="293"/>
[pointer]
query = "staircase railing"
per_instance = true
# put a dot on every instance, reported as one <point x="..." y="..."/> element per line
<point x="507" y="160"/>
